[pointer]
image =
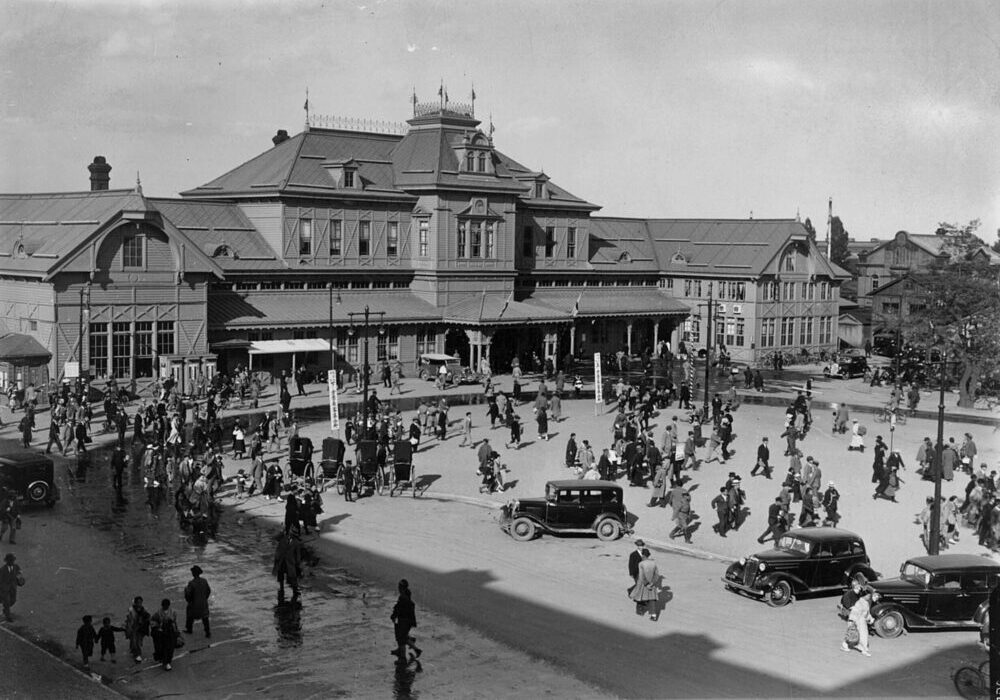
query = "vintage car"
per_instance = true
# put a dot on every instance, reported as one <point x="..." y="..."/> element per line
<point x="944" y="591"/>
<point x="29" y="475"/>
<point x="811" y="560"/>
<point x="846" y="366"/>
<point x="430" y="365"/>
<point x="571" y="506"/>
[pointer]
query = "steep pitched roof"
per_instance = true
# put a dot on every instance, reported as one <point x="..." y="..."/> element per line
<point x="621" y="244"/>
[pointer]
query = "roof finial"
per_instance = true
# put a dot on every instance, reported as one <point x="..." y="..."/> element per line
<point x="441" y="94"/>
<point x="306" y="108"/>
<point x="473" y="99"/>
<point x="138" y="183"/>
<point x="798" y="217"/>
<point x="751" y="213"/>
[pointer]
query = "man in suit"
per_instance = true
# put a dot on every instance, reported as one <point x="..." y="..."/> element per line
<point x="721" y="505"/>
<point x="10" y="574"/>
<point x="763" y="459"/>
<point x="775" y="522"/>
<point x="634" y="557"/>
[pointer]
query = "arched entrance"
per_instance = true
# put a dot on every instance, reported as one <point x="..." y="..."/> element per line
<point x="456" y="343"/>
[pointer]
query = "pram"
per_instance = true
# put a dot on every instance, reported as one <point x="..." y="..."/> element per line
<point x="404" y="474"/>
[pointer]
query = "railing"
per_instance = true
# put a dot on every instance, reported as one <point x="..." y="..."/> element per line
<point x="372" y="126"/>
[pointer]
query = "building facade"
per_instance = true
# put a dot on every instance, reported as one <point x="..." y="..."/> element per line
<point x="449" y="244"/>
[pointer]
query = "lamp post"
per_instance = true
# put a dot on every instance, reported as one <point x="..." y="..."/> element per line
<point x="333" y="356"/>
<point x="708" y="346"/>
<point x="84" y="309"/>
<point x="934" y="546"/>
<point x="365" y="369"/>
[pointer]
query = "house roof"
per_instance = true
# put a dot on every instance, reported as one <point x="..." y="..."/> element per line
<point x="276" y="308"/>
<point x="620" y="244"/>
<point x="17" y="346"/>
<point x="607" y="302"/>
<point x="496" y="309"/>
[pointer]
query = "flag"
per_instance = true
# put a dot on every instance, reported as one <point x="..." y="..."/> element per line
<point x="506" y="303"/>
<point x="473" y="93"/>
<point x="441" y="90"/>
<point x="482" y="305"/>
<point x="446" y="96"/>
<point x="306" y="105"/>
<point x="576" y="305"/>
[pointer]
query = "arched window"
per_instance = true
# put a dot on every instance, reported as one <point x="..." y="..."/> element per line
<point x="470" y="161"/>
<point x="788" y="264"/>
<point x="482" y="162"/>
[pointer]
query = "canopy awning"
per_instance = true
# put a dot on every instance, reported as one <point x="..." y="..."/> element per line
<point x="275" y="347"/>
<point x="16" y="347"/>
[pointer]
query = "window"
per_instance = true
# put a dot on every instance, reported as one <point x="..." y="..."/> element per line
<point x="730" y="331"/>
<point x="770" y="291"/>
<point x="364" y="238"/>
<point x="874" y="282"/>
<point x="388" y="345"/>
<point x="740" y="330"/>
<point x="808" y="291"/>
<point x="347" y="344"/>
<point x="900" y="256"/>
<point x="424" y="233"/>
<point x="29" y="324"/>
<point x="470" y="161"/>
<point x="890" y="307"/>
<point x="121" y="348"/>
<point x="787" y="332"/>
<point x="98" y="347"/>
<point x="539" y="190"/>
<point x="294" y="285"/>
<point x="528" y="242"/>
<point x="788" y="264"/>
<point x="392" y="240"/>
<point x="482" y="162"/>
<point x="666" y="283"/>
<point x="463" y="237"/>
<point x="550" y="241"/>
<point x="305" y="237"/>
<point x="143" y="348"/>
<point x="787" y="291"/>
<point x="476" y="247"/>
<point x="571" y="242"/>
<point x="349" y="178"/>
<point x="426" y="340"/>
<point x="165" y="338"/>
<point x="303" y="333"/>
<point x="767" y="333"/>
<point x="825" y="335"/>
<point x="255" y="335"/>
<point x="132" y="251"/>
<point x="491" y="240"/>
<point x="720" y="332"/>
<point x="805" y="331"/>
<point x="336" y="237"/>
<point x="824" y="291"/>
<point x="692" y="330"/>
<point x="687" y="288"/>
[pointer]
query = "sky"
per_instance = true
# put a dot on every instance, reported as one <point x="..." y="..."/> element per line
<point x="679" y="109"/>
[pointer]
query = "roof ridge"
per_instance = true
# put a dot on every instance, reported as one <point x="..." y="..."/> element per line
<point x="66" y="195"/>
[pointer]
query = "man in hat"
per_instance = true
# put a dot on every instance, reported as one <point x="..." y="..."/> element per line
<point x="634" y="557"/>
<point x="196" y="593"/>
<point x="763" y="459"/>
<point x="10" y="579"/>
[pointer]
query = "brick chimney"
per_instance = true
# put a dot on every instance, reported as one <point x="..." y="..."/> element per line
<point x="100" y="174"/>
<point x="279" y="137"/>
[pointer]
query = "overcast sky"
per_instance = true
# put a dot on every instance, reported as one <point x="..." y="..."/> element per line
<point x="650" y="109"/>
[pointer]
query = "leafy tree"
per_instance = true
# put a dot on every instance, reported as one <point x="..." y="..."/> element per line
<point x="996" y="243"/>
<point x="961" y="318"/>
<point x="838" y="241"/>
<point x="810" y="229"/>
<point x="960" y="241"/>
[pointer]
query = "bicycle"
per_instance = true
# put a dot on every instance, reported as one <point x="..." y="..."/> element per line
<point x="973" y="682"/>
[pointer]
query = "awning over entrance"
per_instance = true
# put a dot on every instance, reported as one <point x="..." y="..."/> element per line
<point x="606" y="302"/>
<point x="275" y="347"/>
<point x="18" y="348"/>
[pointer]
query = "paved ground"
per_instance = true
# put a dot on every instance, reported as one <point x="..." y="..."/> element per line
<point x="31" y="672"/>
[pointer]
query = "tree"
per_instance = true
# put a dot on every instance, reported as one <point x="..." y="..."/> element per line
<point x="960" y="318"/>
<point x="838" y="241"/>
<point x="960" y="241"/>
<point x="996" y="243"/>
<point x="810" y="229"/>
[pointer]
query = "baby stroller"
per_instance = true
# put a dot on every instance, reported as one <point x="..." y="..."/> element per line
<point x="404" y="475"/>
<point x="493" y="471"/>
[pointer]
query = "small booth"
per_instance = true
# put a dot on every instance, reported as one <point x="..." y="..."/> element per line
<point x="23" y="361"/>
<point x="289" y="354"/>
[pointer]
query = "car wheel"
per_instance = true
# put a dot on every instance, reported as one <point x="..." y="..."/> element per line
<point x="38" y="491"/>
<point x="608" y="530"/>
<point x="890" y="625"/>
<point x="423" y="374"/>
<point x="780" y="594"/>
<point x="522" y="530"/>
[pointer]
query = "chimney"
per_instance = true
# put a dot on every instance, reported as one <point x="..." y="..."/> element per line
<point x="100" y="176"/>
<point x="279" y="137"/>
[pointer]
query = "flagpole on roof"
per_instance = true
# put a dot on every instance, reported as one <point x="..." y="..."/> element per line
<point x="306" y="108"/>
<point x="473" y="99"/>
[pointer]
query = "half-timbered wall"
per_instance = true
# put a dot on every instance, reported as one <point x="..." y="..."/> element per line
<point x="375" y="236"/>
<point x="27" y="306"/>
<point x="545" y="253"/>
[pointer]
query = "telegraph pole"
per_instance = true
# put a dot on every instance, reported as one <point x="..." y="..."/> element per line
<point x="934" y="546"/>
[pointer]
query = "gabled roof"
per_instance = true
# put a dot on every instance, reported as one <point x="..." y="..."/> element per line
<point x="17" y="346"/>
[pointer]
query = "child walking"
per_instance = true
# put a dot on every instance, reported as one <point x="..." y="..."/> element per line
<point x="106" y="636"/>
<point x="85" y="638"/>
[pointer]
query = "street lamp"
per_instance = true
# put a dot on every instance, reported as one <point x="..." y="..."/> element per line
<point x="708" y="346"/>
<point x="934" y="546"/>
<point x="365" y="369"/>
<point x="84" y="309"/>
<point x="333" y="356"/>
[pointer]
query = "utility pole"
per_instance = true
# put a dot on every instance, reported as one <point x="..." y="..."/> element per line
<point x="708" y="347"/>
<point x="829" y="228"/>
<point x="934" y="546"/>
<point x="365" y="369"/>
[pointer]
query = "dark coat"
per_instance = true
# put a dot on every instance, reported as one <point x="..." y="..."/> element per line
<point x="196" y="593"/>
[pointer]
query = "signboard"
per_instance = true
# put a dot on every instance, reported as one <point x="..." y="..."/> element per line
<point x="598" y="380"/>
<point x="71" y="370"/>
<point x="331" y="380"/>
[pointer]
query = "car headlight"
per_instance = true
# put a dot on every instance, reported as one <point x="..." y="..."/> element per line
<point x="761" y="566"/>
<point x="743" y="561"/>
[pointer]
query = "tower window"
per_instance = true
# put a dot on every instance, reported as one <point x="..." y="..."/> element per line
<point x="482" y="162"/>
<point x="470" y="161"/>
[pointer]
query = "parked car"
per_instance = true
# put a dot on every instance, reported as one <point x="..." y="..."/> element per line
<point x="846" y="366"/>
<point x="430" y="368"/>
<point x="28" y="475"/>
<point x="811" y="560"/>
<point x="572" y="506"/>
<point x="945" y="591"/>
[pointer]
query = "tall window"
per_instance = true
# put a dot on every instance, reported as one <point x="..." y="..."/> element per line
<point x="767" y="333"/>
<point x="730" y="331"/>
<point x="144" y="349"/>
<point x="491" y="240"/>
<point x="132" y="251"/>
<point x="364" y="238"/>
<point x="528" y="242"/>
<point x="825" y="330"/>
<point x="463" y="238"/>
<point x="874" y="282"/>
<point x="697" y="288"/>
<point x="692" y="330"/>
<point x="787" y="331"/>
<point x="805" y="331"/>
<point x="788" y="264"/>
<point x="482" y="162"/>
<point x="98" y="345"/>
<point x="476" y="249"/>
<point x="305" y="237"/>
<point x="787" y="291"/>
<point x="571" y="242"/>
<point x="392" y="240"/>
<point x="740" y="332"/>
<point x="388" y="345"/>
<point x="424" y="233"/>
<point x="121" y="349"/>
<point x="348" y="178"/>
<point x="426" y="340"/>
<point x="336" y="237"/>
<point x="165" y="338"/>
<point x="347" y="344"/>
<point x="550" y="241"/>
<point x="470" y="161"/>
<point x="740" y="291"/>
<point x="539" y="190"/>
<point x="720" y="331"/>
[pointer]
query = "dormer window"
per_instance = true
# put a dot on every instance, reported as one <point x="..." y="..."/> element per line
<point x="539" y="190"/>
<point x="349" y="178"/>
<point x="482" y="162"/>
<point x="19" y="252"/>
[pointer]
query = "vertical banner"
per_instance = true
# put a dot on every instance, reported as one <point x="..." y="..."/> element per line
<point x="598" y="380"/>
<point x="331" y="380"/>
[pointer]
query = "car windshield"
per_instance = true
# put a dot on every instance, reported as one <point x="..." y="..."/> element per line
<point x="794" y="544"/>
<point x="914" y="573"/>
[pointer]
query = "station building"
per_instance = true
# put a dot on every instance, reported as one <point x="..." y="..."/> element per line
<point x="451" y="246"/>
